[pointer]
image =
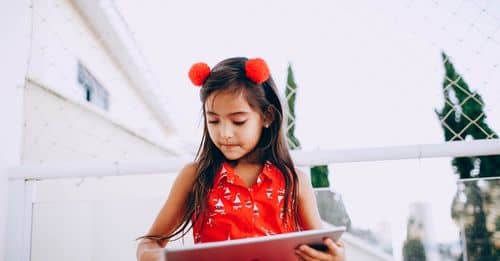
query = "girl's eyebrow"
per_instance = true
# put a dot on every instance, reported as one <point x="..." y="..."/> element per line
<point x="211" y="113"/>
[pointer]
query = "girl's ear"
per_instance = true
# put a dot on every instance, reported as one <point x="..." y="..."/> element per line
<point x="269" y="116"/>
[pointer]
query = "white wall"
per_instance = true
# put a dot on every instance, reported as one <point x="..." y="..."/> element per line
<point x="57" y="130"/>
<point x="95" y="218"/>
<point x="85" y="226"/>
<point x="15" y="21"/>
<point x="61" y="38"/>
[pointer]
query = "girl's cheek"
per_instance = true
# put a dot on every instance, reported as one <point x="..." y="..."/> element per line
<point x="211" y="134"/>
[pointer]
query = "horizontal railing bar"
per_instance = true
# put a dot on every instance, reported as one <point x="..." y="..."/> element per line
<point x="301" y="158"/>
<point x="419" y="151"/>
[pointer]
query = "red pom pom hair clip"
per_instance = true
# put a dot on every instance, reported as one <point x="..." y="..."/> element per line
<point x="199" y="73"/>
<point x="255" y="69"/>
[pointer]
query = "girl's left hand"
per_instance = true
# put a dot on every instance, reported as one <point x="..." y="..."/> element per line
<point x="336" y="251"/>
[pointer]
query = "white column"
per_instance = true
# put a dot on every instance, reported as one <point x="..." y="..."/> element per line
<point x="15" y="28"/>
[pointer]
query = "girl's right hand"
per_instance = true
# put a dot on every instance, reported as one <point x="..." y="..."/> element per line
<point x="149" y="250"/>
<point x="152" y="255"/>
<point x="336" y="251"/>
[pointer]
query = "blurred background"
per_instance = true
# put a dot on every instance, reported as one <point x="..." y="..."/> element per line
<point x="100" y="114"/>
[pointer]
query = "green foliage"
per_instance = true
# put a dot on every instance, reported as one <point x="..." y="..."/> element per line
<point x="479" y="239"/>
<point x="463" y="116"/>
<point x="290" y="94"/>
<point x="497" y="223"/>
<point x="413" y="250"/>
<point x="319" y="176"/>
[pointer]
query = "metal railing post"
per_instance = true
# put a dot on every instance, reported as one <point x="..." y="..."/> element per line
<point x="20" y="219"/>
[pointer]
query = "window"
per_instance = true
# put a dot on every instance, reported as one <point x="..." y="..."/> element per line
<point x="92" y="90"/>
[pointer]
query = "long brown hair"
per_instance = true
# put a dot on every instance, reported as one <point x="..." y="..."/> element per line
<point x="229" y="75"/>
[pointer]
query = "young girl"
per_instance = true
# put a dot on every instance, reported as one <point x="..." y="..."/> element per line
<point x="243" y="182"/>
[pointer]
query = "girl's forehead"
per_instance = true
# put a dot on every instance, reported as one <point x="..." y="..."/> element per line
<point x="227" y="102"/>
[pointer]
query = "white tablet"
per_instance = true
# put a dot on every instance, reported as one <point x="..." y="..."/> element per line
<point x="275" y="247"/>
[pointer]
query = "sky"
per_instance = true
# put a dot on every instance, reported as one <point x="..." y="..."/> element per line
<point x="368" y="74"/>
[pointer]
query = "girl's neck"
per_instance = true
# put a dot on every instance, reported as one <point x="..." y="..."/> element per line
<point x="255" y="157"/>
<point x="244" y="163"/>
<point x="248" y="171"/>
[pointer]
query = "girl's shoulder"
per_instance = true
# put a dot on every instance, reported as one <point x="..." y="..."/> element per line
<point x="301" y="173"/>
<point x="189" y="171"/>
<point x="303" y="178"/>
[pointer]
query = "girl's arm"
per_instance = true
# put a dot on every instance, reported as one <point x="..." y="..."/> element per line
<point x="170" y="215"/>
<point x="307" y="208"/>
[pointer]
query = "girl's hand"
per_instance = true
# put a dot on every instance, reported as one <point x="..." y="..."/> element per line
<point x="336" y="251"/>
<point x="152" y="255"/>
<point x="150" y="250"/>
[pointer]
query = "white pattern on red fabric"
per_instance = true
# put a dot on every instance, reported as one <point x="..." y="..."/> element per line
<point x="281" y="195"/>
<point x="269" y="193"/>
<point x="255" y="210"/>
<point x="219" y="207"/>
<point x="237" y="202"/>
<point x="227" y="193"/>
<point x="209" y="222"/>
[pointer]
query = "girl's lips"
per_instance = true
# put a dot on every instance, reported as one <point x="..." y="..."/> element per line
<point x="229" y="145"/>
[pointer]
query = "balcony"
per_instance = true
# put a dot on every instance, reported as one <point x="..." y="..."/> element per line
<point x="95" y="210"/>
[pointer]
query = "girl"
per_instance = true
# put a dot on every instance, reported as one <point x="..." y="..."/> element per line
<point x="243" y="182"/>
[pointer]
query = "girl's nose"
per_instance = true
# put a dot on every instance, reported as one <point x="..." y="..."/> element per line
<point x="226" y="131"/>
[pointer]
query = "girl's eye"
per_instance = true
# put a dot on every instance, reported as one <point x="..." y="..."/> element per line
<point x="239" y="122"/>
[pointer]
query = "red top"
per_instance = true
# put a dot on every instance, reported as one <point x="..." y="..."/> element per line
<point x="236" y="211"/>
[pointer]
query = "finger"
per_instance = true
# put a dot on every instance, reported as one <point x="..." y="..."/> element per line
<point x="302" y="255"/>
<point x="336" y="248"/>
<point x="332" y="247"/>
<point x="311" y="253"/>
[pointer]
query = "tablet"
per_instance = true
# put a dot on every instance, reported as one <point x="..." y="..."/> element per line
<point x="274" y="247"/>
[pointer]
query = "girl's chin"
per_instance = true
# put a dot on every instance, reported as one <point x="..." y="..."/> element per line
<point x="232" y="156"/>
<point x="251" y="157"/>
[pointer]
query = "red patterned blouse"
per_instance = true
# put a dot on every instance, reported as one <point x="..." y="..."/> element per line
<point x="236" y="211"/>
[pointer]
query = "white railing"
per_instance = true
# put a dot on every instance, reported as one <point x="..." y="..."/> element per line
<point x="22" y="179"/>
<point x="302" y="158"/>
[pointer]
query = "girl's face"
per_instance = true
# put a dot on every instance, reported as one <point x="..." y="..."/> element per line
<point x="234" y="127"/>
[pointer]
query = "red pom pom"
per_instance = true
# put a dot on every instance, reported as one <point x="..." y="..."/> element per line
<point x="257" y="70"/>
<point x="199" y="73"/>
